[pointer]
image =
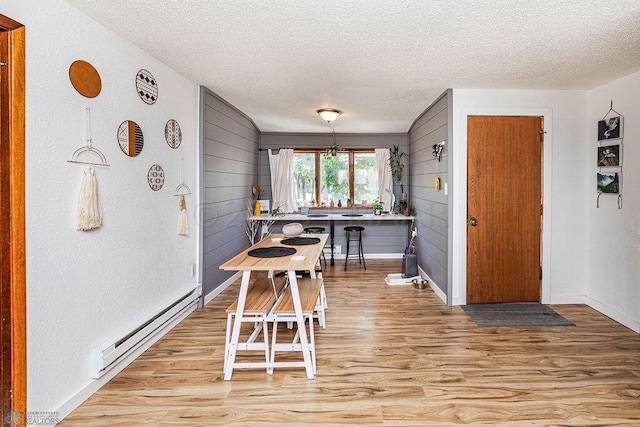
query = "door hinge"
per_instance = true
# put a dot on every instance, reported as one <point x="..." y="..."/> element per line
<point x="540" y="273"/>
<point x="542" y="136"/>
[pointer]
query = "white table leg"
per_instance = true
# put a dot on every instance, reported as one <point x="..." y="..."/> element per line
<point x="237" y="324"/>
<point x="302" y="329"/>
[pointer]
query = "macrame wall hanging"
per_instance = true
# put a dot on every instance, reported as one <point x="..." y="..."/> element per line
<point x="610" y="142"/>
<point x="89" y="213"/>
<point x="182" y="190"/>
<point x="89" y="208"/>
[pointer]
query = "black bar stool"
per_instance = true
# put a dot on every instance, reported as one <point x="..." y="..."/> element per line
<point x="317" y="230"/>
<point x="351" y="231"/>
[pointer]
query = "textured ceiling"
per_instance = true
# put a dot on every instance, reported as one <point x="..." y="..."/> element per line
<point x="382" y="62"/>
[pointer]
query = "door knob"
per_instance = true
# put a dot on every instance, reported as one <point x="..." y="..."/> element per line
<point x="473" y="222"/>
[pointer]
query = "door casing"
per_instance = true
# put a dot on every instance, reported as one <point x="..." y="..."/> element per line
<point x="12" y="217"/>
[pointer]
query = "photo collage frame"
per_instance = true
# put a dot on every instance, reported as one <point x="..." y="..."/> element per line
<point x="609" y="155"/>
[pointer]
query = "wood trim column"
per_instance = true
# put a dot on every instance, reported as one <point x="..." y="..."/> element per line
<point x="18" y="238"/>
<point x="17" y="252"/>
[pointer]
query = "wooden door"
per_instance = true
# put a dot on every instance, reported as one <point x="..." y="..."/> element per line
<point x="13" y="360"/>
<point x="504" y="199"/>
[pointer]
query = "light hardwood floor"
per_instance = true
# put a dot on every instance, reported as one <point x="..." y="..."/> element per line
<point x="390" y="355"/>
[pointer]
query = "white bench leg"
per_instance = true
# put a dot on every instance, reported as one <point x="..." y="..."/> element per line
<point x="265" y="332"/>
<point x="312" y="346"/>
<point x="227" y="341"/>
<point x="274" y="334"/>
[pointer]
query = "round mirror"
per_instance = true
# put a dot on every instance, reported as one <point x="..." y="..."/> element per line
<point x="130" y="138"/>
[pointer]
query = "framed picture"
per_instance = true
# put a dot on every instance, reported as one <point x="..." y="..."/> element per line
<point x="610" y="128"/>
<point x="609" y="155"/>
<point x="609" y="182"/>
<point x="264" y="206"/>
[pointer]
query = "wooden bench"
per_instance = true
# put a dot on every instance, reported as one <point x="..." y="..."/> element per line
<point x="262" y="294"/>
<point x="309" y="290"/>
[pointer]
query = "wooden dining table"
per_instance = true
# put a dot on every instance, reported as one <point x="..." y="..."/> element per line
<point x="351" y="217"/>
<point x="305" y="259"/>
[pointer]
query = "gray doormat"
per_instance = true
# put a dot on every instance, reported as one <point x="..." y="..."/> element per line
<point x="514" y="315"/>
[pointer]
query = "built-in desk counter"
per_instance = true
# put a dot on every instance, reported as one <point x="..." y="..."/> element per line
<point x="333" y="217"/>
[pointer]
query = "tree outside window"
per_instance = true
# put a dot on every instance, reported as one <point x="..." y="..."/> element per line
<point x="322" y="178"/>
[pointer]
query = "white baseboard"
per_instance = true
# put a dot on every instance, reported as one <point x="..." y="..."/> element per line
<point x="95" y="384"/>
<point x="218" y="290"/>
<point x="380" y="256"/>
<point x="366" y="256"/>
<point x="567" y="299"/>
<point x="433" y="286"/>
<point x="614" y="314"/>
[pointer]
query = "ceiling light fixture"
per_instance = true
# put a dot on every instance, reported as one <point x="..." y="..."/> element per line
<point x="328" y="114"/>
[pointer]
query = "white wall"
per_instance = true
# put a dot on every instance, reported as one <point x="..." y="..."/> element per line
<point x="613" y="236"/>
<point x="565" y="183"/>
<point x="85" y="287"/>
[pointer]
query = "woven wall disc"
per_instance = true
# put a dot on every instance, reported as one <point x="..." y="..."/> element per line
<point x="85" y="78"/>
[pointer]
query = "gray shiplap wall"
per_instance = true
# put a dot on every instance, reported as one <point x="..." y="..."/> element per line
<point x="431" y="207"/>
<point x="230" y="167"/>
<point x="378" y="238"/>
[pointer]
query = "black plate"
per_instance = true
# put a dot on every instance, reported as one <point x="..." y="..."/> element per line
<point x="272" y="252"/>
<point x="317" y="215"/>
<point x="352" y="215"/>
<point x="295" y="241"/>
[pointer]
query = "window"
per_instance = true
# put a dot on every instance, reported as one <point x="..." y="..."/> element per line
<point x="321" y="179"/>
<point x="304" y="175"/>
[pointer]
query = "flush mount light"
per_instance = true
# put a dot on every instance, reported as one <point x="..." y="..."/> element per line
<point x="328" y="114"/>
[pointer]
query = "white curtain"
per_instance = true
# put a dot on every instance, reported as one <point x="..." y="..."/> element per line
<point x="385" y="180"/>
<point x="283" y="190"/>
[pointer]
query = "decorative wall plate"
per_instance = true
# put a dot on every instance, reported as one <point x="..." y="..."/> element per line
<point x="173" y="133"/>
<point x="130" y="138"/>
<point x="147" y="87"/>
<point x="85" y="78"/>
<point x="155" y="177"/>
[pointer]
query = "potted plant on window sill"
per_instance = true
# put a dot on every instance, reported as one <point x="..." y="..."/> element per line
<point x="377" y="206"/>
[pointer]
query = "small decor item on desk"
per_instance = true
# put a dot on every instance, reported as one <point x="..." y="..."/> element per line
<point x="89" y="214"/>
<point x="377" y="206"/>
<point x="277" y="211"/>
<point x="255" y="190"/>
<point x="293" y="229"/>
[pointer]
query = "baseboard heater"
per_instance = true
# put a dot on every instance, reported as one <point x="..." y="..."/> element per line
<point x="109" y="354"/>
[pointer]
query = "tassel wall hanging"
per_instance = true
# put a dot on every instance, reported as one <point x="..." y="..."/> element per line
<point x="89" y="214"/>
<point x="183" y="224"/>
<point x="182" y="190"/>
